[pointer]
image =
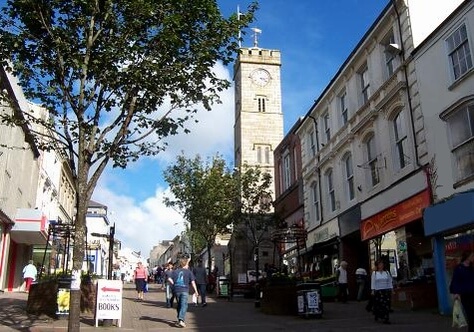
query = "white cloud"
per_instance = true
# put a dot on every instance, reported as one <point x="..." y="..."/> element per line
<point x="141" y="225"/>
<point x="214" y="131"/>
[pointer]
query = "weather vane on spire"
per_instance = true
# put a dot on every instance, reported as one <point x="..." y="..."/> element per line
<point x="256" y="31"/>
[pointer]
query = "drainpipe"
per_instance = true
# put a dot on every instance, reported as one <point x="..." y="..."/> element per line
<point x="405" y="72"/>
<point x="317" y="168"/>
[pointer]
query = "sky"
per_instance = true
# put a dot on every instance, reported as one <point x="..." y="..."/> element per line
<point x="314" y="36"/>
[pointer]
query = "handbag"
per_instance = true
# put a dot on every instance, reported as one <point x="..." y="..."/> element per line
<point x="459" y="320"/>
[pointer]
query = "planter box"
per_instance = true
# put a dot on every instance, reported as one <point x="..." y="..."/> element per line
<point x="280" y="299"/>
<point x="42" y="298"/>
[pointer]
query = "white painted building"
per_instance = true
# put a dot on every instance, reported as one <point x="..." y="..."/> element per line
<point x="98" y="232"/>
<point x="445" y="73"/>
<point x="364" y="151"/>
<point x="19" y="171"/>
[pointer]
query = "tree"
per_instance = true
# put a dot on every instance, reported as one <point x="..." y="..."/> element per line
<point x="205" y="194"/>
<point x="254" y="217"/>
<point x="117" y="77"/>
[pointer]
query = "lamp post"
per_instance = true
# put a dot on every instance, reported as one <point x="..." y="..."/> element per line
<point x="110" y="238"/>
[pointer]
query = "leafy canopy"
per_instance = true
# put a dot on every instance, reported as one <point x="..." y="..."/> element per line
<point x="111" y="72"/>
<point x="205" y="193"/>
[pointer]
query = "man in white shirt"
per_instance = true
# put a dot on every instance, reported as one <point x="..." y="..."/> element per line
<point x="29" y="275"/>
<point x="341" y="279"/>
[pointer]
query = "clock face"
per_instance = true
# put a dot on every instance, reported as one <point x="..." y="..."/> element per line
<point x="260" y="77"/>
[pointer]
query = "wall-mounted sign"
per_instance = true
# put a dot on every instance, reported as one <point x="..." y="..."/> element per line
<point x="396" y="216"/>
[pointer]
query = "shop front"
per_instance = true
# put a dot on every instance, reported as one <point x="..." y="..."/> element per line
<point x="323" y="242"/>
<point x="354" y="251"/>
<point x="396" y="235"/>
<point x="451" y="225"/>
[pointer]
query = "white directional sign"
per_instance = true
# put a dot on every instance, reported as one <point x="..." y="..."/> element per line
<point x="109" y="301"/>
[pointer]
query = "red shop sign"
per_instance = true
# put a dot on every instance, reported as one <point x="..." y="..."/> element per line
<point x="395" y="216"/>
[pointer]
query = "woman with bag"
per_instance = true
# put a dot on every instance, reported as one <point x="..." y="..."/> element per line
<point x="381" y="285"/>
<point x="140" y="275"/>
<point x="462" y="286"/>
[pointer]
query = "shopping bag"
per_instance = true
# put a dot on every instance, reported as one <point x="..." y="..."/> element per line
<point x="145" y="287"/>
<point x="459" y="320"/>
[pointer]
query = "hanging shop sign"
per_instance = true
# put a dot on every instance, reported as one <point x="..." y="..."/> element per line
<point x="396" y="216"/>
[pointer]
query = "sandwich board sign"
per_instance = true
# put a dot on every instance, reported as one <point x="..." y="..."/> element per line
<point x="109" y="301"/>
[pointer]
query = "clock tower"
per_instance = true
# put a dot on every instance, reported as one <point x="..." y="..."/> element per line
<point x="258" y="127"/>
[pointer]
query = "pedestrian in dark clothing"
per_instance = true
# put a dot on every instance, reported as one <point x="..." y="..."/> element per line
<point x="201" y="281"/>
<point x="168" y="273"/>
<point x="381" y="285"/>
<point x="462" y="286"/>
<point x="181" y="279"/>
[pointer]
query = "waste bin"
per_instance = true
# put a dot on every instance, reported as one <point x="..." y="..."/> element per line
<point x="223" y="285"/>
<point x="63" y="297"/>
<point x="309" y="299"/>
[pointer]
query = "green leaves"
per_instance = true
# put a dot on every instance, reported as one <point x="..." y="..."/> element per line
<point x="204" y="192"/>
<point x="112" y="61"/>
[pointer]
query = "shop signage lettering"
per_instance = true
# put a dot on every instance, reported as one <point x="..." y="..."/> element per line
<point x="109" y="300"/>
<point x="459" y="244"/>
<point x="396" y="216"/>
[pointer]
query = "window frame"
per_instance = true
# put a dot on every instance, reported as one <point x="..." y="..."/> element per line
<point x="315" y="201"/>
<point x="460" y="145"/>
<point x="287" y="174"/>
<point x="326" y="126"/>
<point x="349" y="177"/>
<point x="364" y="81"/>
<point x="372" y="161"/>
<point x="400" y="142"/>
<point x="331" y="191"/>
<point x="454" y="51"/>
<point x="343" y="109"/>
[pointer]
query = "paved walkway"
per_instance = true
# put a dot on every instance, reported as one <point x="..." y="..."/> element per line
<point x="220" y="315"/>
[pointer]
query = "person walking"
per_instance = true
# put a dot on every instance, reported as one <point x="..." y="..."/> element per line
<point x="140" y="276"/>
<point x="462" y="286"/>
<point x="29" y="274"/>
<point x="201" y="281"/>
<point x="181" y="279"/>
<point x="168" y="273"/>
<point x="341" y="279"/>
<point x="381" y="285"/>
<point x="361" y="278"/>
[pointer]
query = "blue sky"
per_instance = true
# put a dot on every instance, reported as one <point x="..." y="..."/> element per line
<point x="314" y="37"/>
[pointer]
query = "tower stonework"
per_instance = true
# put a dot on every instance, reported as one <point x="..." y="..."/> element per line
<point x="258" y="125"/>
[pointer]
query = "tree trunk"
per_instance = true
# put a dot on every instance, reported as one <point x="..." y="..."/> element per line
<point x="77" y="261"/>
<point x="209" y="259"/>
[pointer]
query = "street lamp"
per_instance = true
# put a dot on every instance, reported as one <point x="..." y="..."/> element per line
<point x="110" y="237"/>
